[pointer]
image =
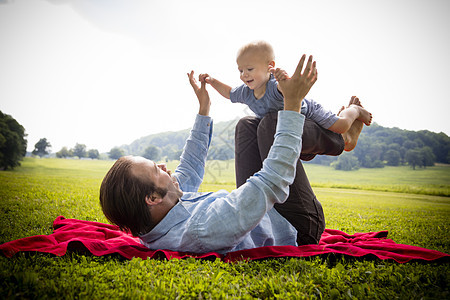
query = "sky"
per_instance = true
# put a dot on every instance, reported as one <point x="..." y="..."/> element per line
<point x="106" y="72"/>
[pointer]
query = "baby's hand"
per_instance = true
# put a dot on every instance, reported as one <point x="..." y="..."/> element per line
<point x="279" y="74"/>
<point x="204" y="78"/>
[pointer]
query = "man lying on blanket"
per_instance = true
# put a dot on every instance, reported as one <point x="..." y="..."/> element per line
<point x="166" y="210"/>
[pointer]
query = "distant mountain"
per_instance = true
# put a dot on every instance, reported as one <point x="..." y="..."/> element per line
<point x="376" y="146"/>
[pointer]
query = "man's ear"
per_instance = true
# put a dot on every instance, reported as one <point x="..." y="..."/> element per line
<point x="153" y="199"/>
<point x="272" y="64"/>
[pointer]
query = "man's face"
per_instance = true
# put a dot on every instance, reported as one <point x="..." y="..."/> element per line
<point x="147" y="169"/>
<point x="253" y="70"/>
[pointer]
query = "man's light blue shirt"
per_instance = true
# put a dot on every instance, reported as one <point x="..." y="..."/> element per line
<point x="243" y="219"/>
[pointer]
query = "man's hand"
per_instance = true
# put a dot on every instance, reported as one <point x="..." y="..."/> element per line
<point x="294" y="89"/>
<point x="201" y="93"/>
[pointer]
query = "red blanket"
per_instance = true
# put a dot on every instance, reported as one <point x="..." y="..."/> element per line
<point x="103" y="239"/>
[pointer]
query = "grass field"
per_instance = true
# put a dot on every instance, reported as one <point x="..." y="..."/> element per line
<point x="413" y="205"/>
<point x="429" y="181"/>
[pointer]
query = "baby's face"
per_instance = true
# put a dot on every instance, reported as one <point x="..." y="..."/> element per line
<point x="253" y="70"/>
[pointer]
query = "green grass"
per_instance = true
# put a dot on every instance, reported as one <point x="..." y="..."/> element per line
<point x="429" y="181"/>
<point x="32" y="196"/>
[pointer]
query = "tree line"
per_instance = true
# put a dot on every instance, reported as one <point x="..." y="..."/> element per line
<point x="13" y="145"/>
<point x="377" y="146"/>
<point x="42" y="148"/>
<point x="79" y="151"/>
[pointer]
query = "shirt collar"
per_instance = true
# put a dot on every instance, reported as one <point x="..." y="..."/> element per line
<point x="176" y="215"/>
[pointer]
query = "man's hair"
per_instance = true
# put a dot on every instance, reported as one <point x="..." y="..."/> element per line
<point x="122" y="198"/>
<point x="262" y="47"/>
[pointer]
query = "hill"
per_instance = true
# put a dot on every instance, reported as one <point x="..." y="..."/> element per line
<point x="171" y="143"/>
<point x="377" y="146"/>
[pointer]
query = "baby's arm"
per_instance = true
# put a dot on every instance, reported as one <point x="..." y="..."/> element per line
<point x="219" y="86"/>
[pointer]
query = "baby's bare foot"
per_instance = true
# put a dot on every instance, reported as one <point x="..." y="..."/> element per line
<point x="364" y="115"/>
<point x="352" y="135"/>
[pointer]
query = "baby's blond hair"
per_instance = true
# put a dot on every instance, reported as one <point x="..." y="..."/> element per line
<point x="263" y="48"/>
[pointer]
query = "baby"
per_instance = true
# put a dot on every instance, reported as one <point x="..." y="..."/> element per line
<point x="256" y="63"/>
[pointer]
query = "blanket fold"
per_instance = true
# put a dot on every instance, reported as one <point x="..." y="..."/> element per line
<point x="101" y="239"/>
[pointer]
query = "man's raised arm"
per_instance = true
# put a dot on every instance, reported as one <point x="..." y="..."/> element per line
<point x="189" y="173"/>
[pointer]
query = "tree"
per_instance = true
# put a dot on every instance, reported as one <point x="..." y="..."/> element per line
<point x="346" y="162"/>
<point x="13" y="145"/>
<point x="410" y="145"/>
<point x="93" y="153"/>
<point x="40" y="148"/>
<point x="79" y="150"/>
<point x="428" y="158"/>
<point x="413" y="158"/>
<point x="392" y="157"/>
<point x="64" y="152"/>
<point x="116" y="153"/>
<point x="442" y="150"/>
<point x="372" y="157"/>
<point x="152" y="152"/>
<point x="171" y="152"/>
